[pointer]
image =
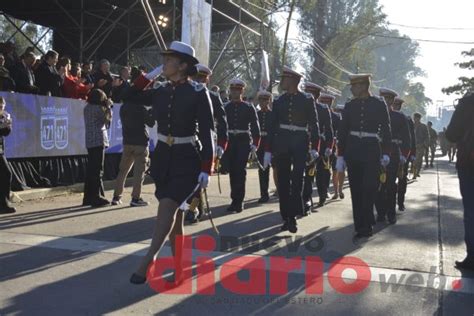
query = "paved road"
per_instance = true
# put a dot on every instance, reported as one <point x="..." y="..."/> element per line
<point x="57" y="258"/>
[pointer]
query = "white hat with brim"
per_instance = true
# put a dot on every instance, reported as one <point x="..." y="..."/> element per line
<point x="183" y="50"/>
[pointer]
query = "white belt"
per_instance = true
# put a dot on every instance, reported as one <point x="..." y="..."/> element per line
<point x="293" y="128"/>
<point x="397" y="141"/>
<point x="263" y="133"/>
<point x="361" y="134"/>
<point x="237" y="131"/>
<point x="173" y="140"/>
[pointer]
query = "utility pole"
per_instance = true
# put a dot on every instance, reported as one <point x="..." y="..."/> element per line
<point x="292" y="7"/>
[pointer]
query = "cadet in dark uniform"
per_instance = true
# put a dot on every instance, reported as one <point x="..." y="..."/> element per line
<point x="243" y="122"/>
<point x="202" y="76"/>
<point x="337" y="177"/>
<point x="385" y="203"/>
<point x="294" y="115"/>
<point x="325" y="133"/>
<point x="403" y="177"/>
<point x="183" y="111"/>
<point x="265" y="121"/>
<point x="365" y="120"/>
<point x="323" y="171"/>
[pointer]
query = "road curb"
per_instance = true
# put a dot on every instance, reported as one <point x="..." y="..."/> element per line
<point x="42" y="193"/>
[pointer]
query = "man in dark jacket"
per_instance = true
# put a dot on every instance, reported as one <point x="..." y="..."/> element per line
<point x="5" y="172"/>
<point x="6" y="82"/>
<point x="48" y="79"/>
<point x="24" y="76"/>
<point x="135" y="150"/>
<point x="103" y="78"/>
<point x="461" y="131"/>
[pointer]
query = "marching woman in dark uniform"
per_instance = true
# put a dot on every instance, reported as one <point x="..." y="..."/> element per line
<point x="386" y="198"/>
<point x="295" y="132"/>
<point x="183" y="111"/>
<point x="364" y="140"/>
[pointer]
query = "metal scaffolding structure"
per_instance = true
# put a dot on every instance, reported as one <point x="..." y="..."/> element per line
<point x="126" y="30"/>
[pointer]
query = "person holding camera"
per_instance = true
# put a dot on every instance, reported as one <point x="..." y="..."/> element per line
<point x="5" y="172"/>
<point x="97" y="119"/>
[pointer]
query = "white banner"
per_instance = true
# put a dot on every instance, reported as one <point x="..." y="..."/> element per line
<point x="196" y="27"/>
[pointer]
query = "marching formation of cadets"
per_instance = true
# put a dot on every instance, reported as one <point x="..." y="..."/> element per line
<point x="306" y="138"/>
<point x="300" y="134"/>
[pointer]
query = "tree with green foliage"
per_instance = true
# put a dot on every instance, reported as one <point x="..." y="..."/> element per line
<point x="466" y="84"/>
<point x="352" y="36"/>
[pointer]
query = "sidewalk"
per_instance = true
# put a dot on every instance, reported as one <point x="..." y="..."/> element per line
<point x="60" y="258"/>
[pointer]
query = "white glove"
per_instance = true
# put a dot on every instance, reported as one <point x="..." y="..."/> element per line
<point x="253" y="149"/>
<point x="314" y="154"/>
<point x="412" y="158"/>
<point x="267" y="160"/>
<point x="154" y="73"/>
<point x="403" y="160"/>
<point x="203" y="179"/>
<point x="219" y="152"/>
<point x="327" y="152"/>
<point x="385" y="160"/>
<point x="340" y="164"/>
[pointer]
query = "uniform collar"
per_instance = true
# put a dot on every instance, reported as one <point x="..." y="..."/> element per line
<point x="179" y="82"/>
<point x="324" y="106"/>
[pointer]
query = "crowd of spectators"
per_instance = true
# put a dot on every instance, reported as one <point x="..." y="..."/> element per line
<point x="58" y="76"/>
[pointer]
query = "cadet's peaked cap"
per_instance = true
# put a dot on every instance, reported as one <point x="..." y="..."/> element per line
<point x="288" y="72"/>
<point x="309" y="86"/>
<point x="387" y="91"/>
<point x="183" y="50"/>
<point x="264" y="94"/>
<point x="237" y="83"/>
<point x="360" y="78"/>
<point x="203" y="70"/>
<point x="326" y="96"/>
<point x="398" y="101"/>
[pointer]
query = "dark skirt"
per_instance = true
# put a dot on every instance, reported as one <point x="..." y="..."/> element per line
<point x="175" y="170"/>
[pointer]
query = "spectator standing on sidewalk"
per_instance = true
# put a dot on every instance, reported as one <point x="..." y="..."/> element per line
<point x="135" y="153"/>
<point x="461" y="131"/>
<point x="5" y="172"/>
<point x="97" y="118"/>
